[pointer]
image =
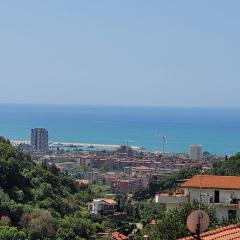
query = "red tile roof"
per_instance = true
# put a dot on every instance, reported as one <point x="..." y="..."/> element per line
<point x="119" y="236"/>
<point x="213" y="182"/>
<point x="224" y="233"/>
<point x="82" y="181"/>
<point x="109" y="201"/>
<point x="143" y="168"/>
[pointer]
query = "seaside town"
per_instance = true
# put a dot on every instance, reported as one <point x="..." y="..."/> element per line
<point x="124" y="168"/>
<point x="125" y="175"/>
<point x="119" y="120"/>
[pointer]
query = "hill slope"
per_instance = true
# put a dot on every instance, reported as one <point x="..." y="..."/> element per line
<point x="39" y="202"/>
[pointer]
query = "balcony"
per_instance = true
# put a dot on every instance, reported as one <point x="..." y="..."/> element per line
<point x="222" y="201"/>
<point x="171" y="199"/>
<point x="233" y="202"/>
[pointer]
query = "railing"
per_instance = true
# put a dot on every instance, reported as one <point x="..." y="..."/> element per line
<point x="227" y="201"/>
<point x="176" y="199"/>
<point x="206" y="199"/>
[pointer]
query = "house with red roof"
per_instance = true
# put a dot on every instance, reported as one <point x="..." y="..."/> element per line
<point x="103" y="206"/>
<point x="222" y="192"/>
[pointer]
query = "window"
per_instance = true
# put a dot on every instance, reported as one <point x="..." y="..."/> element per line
<point x="216" y="196"/>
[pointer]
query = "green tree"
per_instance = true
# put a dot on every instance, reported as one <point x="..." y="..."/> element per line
<point x="149" y="210"/>
<point x="11" y="233"/>
<point x="40" y="224"/>
<point x="172" y="225"/>
<point x="156" y="185"/>
<point x="74" y="228"/>
<point x="9" y="207"/>
<point x="229" y="167"/>
<point x="141" y="194"/>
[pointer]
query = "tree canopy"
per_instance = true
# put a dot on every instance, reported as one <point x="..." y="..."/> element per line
<point x="39" y="202"/>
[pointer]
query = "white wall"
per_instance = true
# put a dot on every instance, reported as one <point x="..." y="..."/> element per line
<point x="224" y="199"/>
<point x="224" y="195"/>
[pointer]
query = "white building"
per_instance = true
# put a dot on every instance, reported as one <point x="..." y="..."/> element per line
<point x="222" y="192"/>
<point x="102" y="206"/>
<point x="196" y="152"/>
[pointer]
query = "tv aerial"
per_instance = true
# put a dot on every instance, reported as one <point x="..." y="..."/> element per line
<point x="198" y="222"/>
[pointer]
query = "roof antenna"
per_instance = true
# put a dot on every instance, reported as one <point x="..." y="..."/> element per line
<point x="198" y="220"/>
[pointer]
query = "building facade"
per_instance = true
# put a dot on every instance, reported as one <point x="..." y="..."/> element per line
<point x="196" y="152"/>
<point x="102" y="206"/>
<point x="39" y="140"/>
<point x="221" y="192"/>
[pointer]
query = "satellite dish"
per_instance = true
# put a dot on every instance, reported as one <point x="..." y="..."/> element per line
<point x="198" y="222"/>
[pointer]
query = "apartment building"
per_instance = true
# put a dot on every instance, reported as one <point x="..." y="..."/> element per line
<point x="129" y="185"/>
<point x="222" y="192"/>
<point x="196" y="152"/>
<point x="39" y="140"/>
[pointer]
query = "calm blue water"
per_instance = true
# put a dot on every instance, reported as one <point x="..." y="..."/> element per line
<point x="218" y="130"/>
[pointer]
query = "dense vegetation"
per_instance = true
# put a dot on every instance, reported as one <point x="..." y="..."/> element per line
<point x="39" y="202"/>
<point x="172" y="224"/>
<point x="229" y="167"/>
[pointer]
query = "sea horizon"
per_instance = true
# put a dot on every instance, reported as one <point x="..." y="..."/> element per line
<point x="216" y="128"/>
<point x="117" y="105"/>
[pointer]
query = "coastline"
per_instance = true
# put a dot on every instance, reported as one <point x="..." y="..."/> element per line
<point x="109" y="127"/>
<point x="75" y="144"/>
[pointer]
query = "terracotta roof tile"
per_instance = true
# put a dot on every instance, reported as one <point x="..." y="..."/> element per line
<point x="82" y="181"/>
<point x="214" y="182"/>
<point x="109" y="201"/>
<point x="119" y="236"/>
<point x="143" y="168"/>
<point x="231" y="232"/>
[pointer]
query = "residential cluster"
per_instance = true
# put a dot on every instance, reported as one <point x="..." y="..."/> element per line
<point x="124" y="169"/>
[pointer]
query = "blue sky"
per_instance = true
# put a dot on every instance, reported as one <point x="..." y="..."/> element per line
<point x="168" y="53"/>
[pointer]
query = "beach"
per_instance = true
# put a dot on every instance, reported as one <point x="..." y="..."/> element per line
<point x="71" y="144"/>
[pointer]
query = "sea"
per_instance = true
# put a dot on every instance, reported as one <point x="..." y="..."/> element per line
<point x="216" y="129"/>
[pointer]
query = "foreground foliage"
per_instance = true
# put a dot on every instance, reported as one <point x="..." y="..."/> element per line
<point x="39" y="202"/>
<point x="172" y="224"/>
<point x="229" y="167"/>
